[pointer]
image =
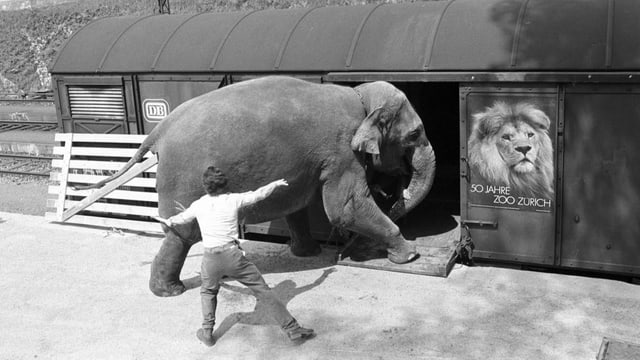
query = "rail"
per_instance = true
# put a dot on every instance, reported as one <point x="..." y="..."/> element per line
<point x="25" y="165"/>
<point x="8" y="125"/>
<point x="32" y="114"/>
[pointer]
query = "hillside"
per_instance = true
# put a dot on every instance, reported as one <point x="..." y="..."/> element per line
<point x="30" y="38"/>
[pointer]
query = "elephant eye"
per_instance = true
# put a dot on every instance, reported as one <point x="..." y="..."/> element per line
<point x="414" y="135"/>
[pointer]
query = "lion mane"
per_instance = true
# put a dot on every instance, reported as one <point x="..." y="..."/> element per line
<point x="510" y="145"/>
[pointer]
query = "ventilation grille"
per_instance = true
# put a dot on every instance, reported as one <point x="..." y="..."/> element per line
<point x="96" y="102"/>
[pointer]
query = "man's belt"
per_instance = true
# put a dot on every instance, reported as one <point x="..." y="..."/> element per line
<point x="217" y="249"/>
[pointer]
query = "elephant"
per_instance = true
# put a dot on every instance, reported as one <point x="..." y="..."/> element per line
<point x="322" y="138"/>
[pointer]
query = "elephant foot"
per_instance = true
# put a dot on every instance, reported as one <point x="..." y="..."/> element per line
<point x="402" y="254"/>
<point x="305" y="250"/>
<point x="166" y="289"/>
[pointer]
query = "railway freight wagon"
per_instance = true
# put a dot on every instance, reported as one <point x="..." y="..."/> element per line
<point x="532" y="106"/>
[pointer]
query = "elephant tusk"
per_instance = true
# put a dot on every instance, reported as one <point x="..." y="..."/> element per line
<point x="379" y="190"/>
<point x="179" y="206"/>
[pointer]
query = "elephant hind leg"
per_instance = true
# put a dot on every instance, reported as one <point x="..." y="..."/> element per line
<point x="302" y="244"/>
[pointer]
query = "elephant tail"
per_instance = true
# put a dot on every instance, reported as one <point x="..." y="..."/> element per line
<point x="146" y="145"/>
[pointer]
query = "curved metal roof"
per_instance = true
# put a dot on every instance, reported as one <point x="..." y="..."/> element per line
<point x="456" y="35"/>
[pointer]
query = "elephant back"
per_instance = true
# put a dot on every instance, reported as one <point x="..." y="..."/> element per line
<point x="258" y="130"/>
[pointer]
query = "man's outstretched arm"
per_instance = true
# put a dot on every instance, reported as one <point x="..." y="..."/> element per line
<point x="181" y="218"/>
<point x="251" y="197"/>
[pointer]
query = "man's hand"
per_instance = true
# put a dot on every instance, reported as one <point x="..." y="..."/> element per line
<point x="162" y="220"/>
<point x="281" y="182"/>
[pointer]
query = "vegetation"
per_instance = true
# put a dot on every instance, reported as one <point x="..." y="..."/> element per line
<point x="30" y="38"/>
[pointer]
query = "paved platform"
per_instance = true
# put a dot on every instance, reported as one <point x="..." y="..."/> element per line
<point x="71" y="292"/>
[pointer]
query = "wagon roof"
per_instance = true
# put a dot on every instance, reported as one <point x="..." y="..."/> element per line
<point x="457" y="35"/>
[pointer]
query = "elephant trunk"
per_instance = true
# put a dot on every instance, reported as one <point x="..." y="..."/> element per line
<point x="423" y="166"/>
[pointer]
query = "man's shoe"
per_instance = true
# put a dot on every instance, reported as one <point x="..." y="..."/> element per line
<point x="300" y="333"/>
<point x="206" y="337"/>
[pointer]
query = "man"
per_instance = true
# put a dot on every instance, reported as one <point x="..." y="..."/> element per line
<point x="217" y="215"/>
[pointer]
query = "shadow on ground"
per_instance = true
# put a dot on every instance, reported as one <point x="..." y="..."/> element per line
<point x="275" y="258"/>
<point x="285" y="291"/>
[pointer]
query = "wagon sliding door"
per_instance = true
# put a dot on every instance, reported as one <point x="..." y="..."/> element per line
<point x="506" y="220"/>
<point x="601" y="197"/>
<point x="160" y="94"/>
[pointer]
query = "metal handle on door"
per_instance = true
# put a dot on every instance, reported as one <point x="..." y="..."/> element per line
<point x="480" y="223"/>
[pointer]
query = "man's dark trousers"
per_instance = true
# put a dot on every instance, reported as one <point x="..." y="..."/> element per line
<point x="229" y="260"/>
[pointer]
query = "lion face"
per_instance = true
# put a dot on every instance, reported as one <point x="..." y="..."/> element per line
<point x="510" y="145"/>
<point x="518" y="145"/>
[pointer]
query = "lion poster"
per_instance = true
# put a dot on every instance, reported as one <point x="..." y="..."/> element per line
<point x="510" y="144"/>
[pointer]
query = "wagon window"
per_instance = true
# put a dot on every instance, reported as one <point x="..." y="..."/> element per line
<point x="96" y="102"/>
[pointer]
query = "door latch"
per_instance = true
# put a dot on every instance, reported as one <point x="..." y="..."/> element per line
<point x="464" y="169"/>
<point x="480" y="223"/>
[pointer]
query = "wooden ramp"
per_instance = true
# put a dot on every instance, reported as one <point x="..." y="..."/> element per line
<point x="613" y="349"/>
<point x="126" y="203"/>
<point x="436" y="236"/>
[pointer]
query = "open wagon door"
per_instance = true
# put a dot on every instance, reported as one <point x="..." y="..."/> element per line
<point x="509" y="207"/>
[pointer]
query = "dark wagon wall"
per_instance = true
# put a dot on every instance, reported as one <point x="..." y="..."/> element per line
<point x="577" y="60"/>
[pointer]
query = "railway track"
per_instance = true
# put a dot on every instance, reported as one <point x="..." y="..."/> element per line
<point x="33" y="114"/>
<point x="25" y="165"/>
<point x="8" y="125"/>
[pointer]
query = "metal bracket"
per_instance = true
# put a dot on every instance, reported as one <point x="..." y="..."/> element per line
<point x="465" y="170"/>
<point x="480" y="223"/>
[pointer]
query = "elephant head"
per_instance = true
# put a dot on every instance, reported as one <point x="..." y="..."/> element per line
<point x="393" y="136"/>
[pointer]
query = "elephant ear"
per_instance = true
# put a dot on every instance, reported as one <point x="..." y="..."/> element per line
<point x="386" y="101"/>
<point x="368" y="136"/>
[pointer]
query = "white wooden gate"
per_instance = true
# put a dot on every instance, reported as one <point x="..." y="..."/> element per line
<point x="127" y="202"/>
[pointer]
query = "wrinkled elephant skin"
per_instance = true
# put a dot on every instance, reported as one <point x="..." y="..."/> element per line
<point x="316" y="136"/>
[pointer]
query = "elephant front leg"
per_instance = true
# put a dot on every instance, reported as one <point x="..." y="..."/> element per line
<point x="166" y="267"/>
<point x="349" y="204"/>
<point x="302" y="244"/>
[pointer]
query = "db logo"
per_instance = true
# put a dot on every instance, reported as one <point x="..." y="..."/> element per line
<point x="155" y="109"/>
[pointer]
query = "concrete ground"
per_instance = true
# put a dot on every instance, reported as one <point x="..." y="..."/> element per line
<point x="72" y="292"/>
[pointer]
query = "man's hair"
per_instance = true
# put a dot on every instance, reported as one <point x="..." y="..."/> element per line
<point x="214" y="180"/>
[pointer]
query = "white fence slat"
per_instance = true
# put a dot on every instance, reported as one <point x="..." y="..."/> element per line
<point x="104" y="138"/>
<point x="67" y="138"/>
<point x="102" y="152"/>
<point x="92" y="179"/>
<point x="109" y="208"/>
<point x="116" y="194"/>
<point x="95" y="165"/>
